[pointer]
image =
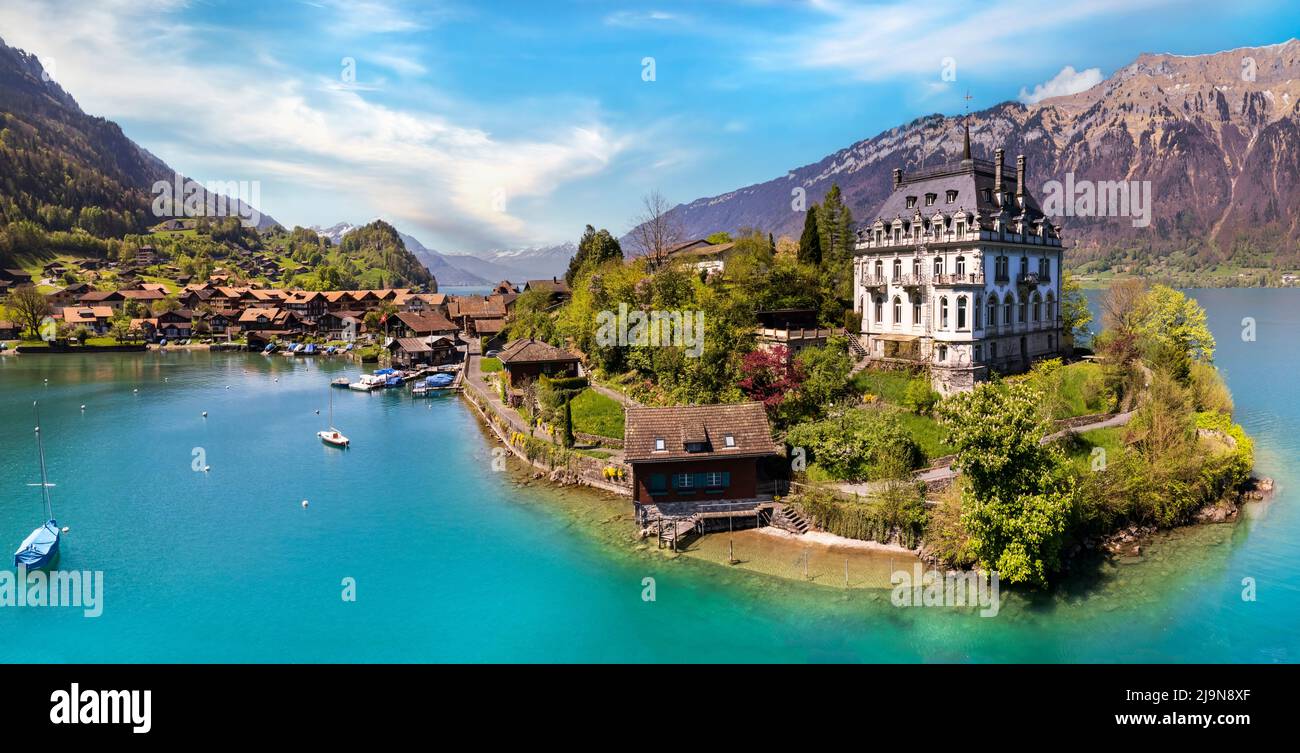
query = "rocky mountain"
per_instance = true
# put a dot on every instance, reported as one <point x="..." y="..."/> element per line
<point x="1216" y="137"/>
<point x="65" y="170"/>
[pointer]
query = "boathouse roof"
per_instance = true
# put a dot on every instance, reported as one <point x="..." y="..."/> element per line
<point x="697" y="432"/>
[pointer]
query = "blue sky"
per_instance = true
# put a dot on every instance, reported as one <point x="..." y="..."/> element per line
<point x="477" y="125"/>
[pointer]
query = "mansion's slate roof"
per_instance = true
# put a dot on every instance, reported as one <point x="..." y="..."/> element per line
<point x="706" y="424"/>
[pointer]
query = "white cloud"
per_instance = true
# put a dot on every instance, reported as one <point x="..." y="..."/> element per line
<point x="900" y="38"/>
<point x="635" y="19"/>
<point x="312" y="135"/>
<point x="1068" y="81"/>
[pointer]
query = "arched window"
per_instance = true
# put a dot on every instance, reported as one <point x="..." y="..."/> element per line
<point x="880" y="269"/>
<point x="961" y="312"/>
<point x="975" y="310"/>
<point x="898" y="269"/>
<point x="1051" y="307"/>
<point x="1037" y="307"/>
<point x="943" y="312"/>
<point x="916" y="269"/>
<point x="1024" y="311"/>
<point x="898" y="310"/>
<point x="938" y="266"/>
<point x="1006" y="309"/>
<point x="880" y="310"/>
<point x="961" y="266"/>
<point x="916" y="310"/>
<point x="993" y="311"/>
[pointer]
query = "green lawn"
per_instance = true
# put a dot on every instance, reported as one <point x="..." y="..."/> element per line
<point x="489" y="365"/>
<point x="593" y="413"/>
<point x="890" y="386"/>
<point x="1076" y="390"/>
<point x="927" y="433"/>
<point x="1110" y="440"/>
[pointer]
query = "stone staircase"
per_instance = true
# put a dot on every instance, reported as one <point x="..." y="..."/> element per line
<point x="787" y="518"/>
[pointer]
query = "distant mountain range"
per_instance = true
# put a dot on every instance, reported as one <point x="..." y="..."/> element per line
<point x="1217" y="136"/>
<point x="479" y="269"/>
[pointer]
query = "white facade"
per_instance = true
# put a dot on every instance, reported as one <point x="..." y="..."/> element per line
<point x="956" y="290"/>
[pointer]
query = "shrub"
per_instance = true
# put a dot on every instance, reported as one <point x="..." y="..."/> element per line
<point x="859" y="444"/>
<point x="897" y="514"/>
<point x="920" y="398"/>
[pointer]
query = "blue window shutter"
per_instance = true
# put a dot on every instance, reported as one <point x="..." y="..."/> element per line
<point x="674" y="481"/>
<point x="726" y="478"/>
<point x="700" y="480"/>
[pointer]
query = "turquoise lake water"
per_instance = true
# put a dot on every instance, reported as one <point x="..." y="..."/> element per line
<point x="455" y="562"/>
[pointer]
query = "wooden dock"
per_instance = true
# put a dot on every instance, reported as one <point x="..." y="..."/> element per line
<point x="673" y="525"/>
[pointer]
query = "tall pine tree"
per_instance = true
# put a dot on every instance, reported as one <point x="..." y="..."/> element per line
<point x="810" y="244"/>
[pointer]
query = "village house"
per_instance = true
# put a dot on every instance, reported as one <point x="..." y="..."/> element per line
<point x="699" y="454"/>
<point x="111" y="298"/>
<point x="177" y="323"/>
<point x="422" y="351"/>
<point x="335" y="325"/>
<point x="960" y="273"/>
<point x="557" y="289"/>
<point x="408" y="324"/>
<point x="68" y="296"/>
<point x="8" y="330"/>
<point x="146" y="256"/>
<point x="307" y="304"/>
<point x="15" y="277"/>
<point x="527" y="360"/>
<point x="262" y="319"/>
<point x="94" y="318"/>
<point x="709" y="258"/>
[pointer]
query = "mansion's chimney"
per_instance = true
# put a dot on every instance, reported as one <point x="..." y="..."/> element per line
<point x="898" y="177"/>
<point x="997" y="170"/>
<point x="1020" y="175"/>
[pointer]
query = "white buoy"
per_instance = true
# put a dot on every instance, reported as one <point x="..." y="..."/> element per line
<point x="134" y="391"/>
<point x="227" y="386"/>
<point x="304" y="504"/>
<point x="83" y="407"/>
<point x="65" y="529"/>
<point x="205" y="414"/>
<point x="207" y="468"/>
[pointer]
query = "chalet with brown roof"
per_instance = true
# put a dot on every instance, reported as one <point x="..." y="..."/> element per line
<point x="68" y="296"/>
<point x="697" y="453"/>
<point x="410" y="324"/>
<point x="527" y="360"/>
<point x="15" y="277"/>
<point x="93" y="317"/>
<point x="111" y="298"/>
<point x="8" y="330"/>
<point x="558" y="289"/>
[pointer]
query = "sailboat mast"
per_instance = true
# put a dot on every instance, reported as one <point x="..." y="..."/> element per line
<point x="40" y="451"/>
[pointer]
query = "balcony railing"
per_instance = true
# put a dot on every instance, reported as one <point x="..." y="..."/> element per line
<point x="966" y="278"/>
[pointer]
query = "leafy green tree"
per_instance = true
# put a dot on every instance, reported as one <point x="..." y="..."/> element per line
<point x="594" y="249"/>
<point x="858" y="445"/>
<point x="28" y="307"/>
<point x="1174" y="326"/>
<point x="721" y="236"/>
<point x="1016" y="501"/>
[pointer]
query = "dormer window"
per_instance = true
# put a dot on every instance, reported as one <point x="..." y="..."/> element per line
<point x="911" y="201"/>
<point x="696" y="447"/>
<point x="659" y="444"/>
<point x="929" y="199"/>
<point x="988" y="195"/>
<point x="951" y="196"/>
<point x="729" y="441"/>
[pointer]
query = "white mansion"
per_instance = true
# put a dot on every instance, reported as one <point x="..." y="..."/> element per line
<point x="960" y="272"/>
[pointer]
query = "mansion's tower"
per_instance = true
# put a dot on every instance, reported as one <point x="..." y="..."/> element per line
<point x="960" y="272"/>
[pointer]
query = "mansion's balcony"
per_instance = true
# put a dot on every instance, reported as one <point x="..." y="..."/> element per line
<point x="956" y="280"/>
<point x="1032" y="279"/>
<point x="874" y="281"/>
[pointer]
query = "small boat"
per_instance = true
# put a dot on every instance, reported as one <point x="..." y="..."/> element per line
<point x="341" y="383"/>
<point x="270" y="348"/>
<point x="40" y="550"/>
<point x="332" y="436"/>
<point x="440" y="380"/>
<point x="310" y="350"/>
<point x="367" y="383"/>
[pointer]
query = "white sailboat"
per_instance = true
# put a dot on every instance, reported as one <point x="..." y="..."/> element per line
<point x="332" y="436"/>
<point x="40" y="550"/>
